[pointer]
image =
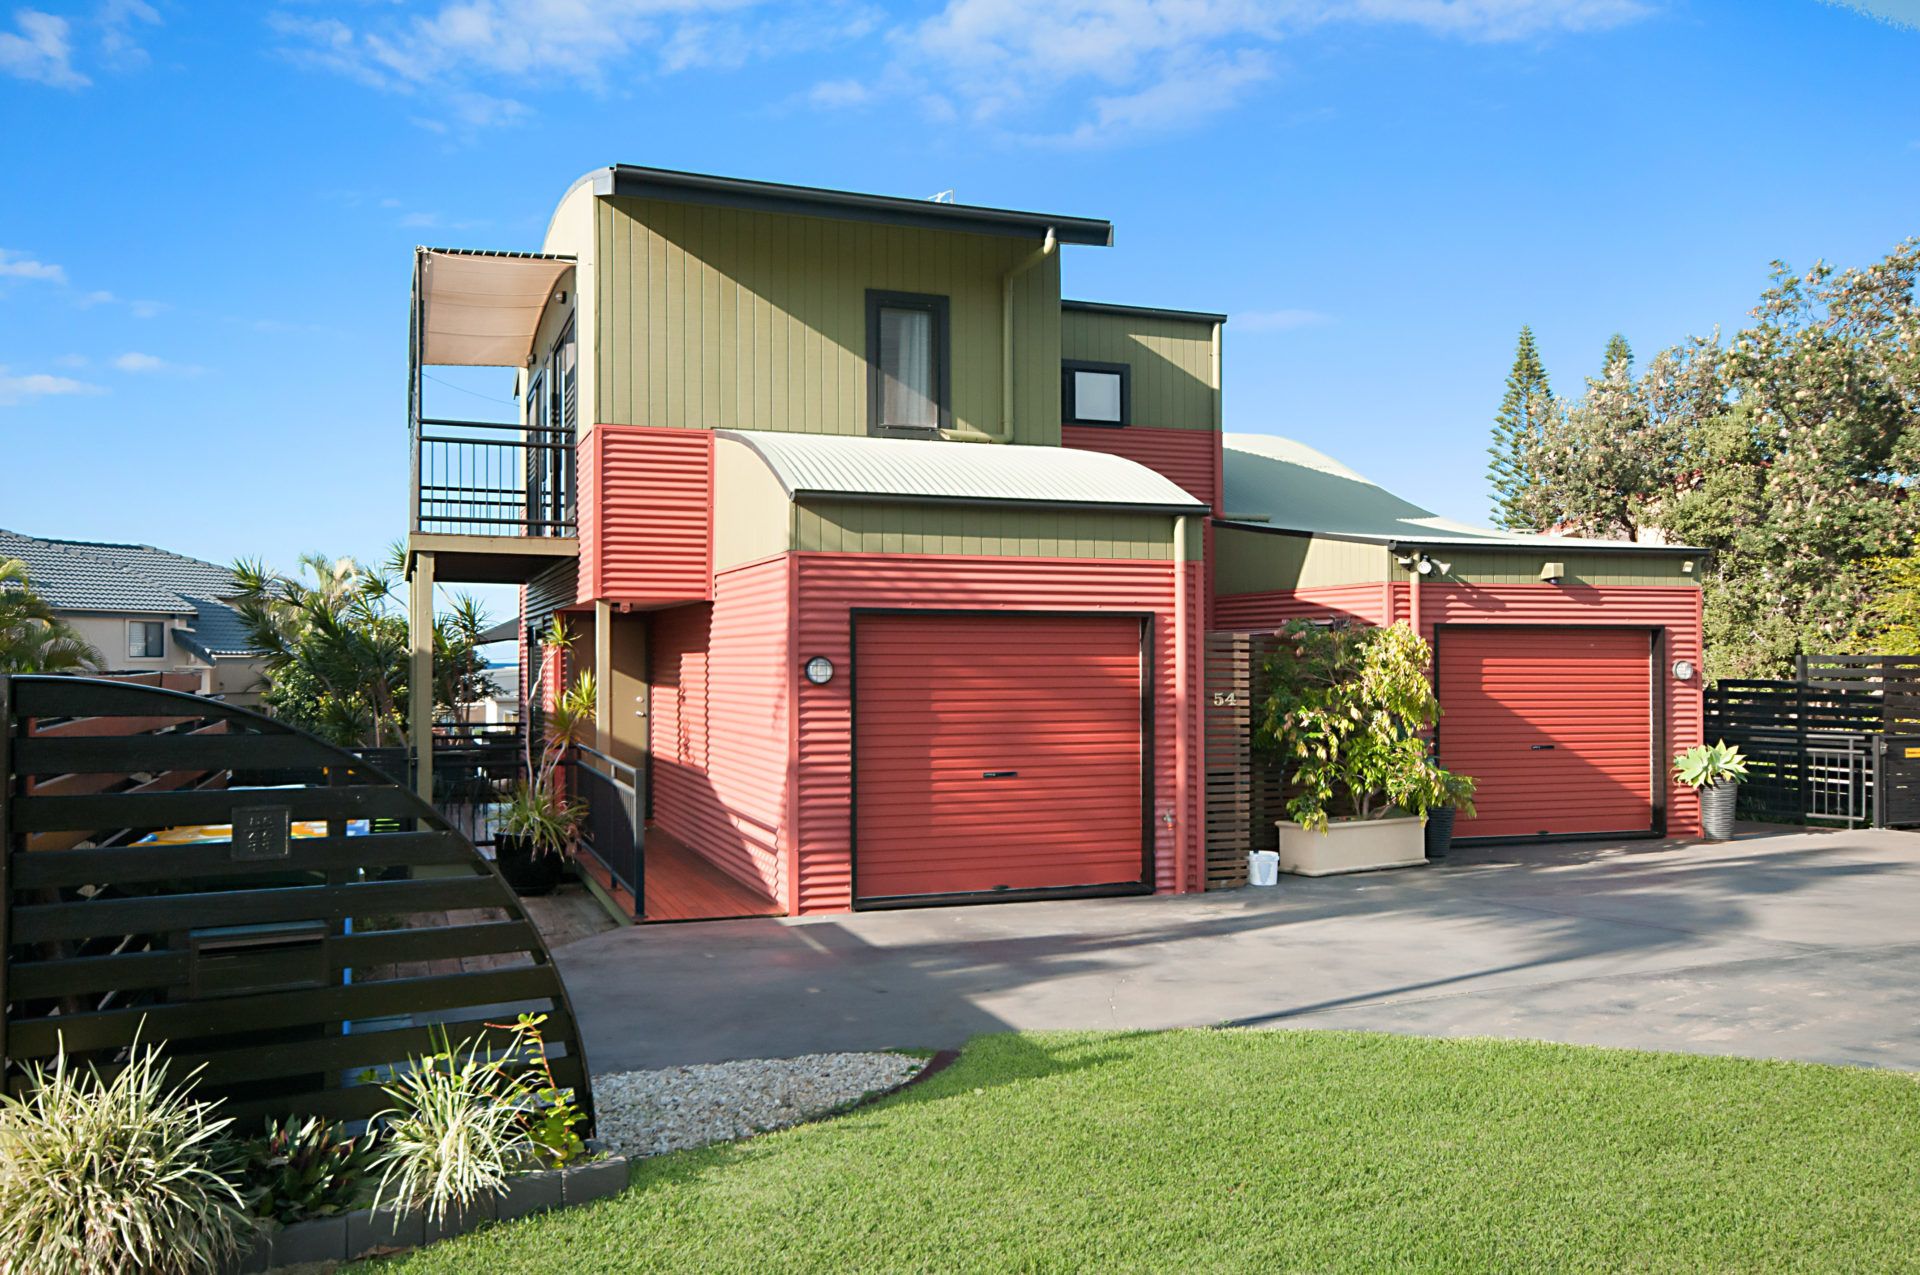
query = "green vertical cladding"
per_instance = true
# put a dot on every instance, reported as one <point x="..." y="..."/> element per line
<point x="722" y="318"/>
<point x="1266" y="562"/>
<point x="1171" y="361"/>
<point x="1027" y="531"/>
<point x="1601" y="570"/>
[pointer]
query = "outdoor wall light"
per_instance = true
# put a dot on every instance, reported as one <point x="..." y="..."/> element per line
<point x="1683" y="670"/>
<point x="1424" y="565"/>
<point x="819" y="670"/>
<point x="1446" y="568"/>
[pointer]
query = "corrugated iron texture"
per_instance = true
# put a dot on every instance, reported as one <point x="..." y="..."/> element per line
<point x="829" y="465"/>
<point x="1677" y="610"/>
<point x="1189" y="457"/>
<point x="997" y="752"/>
<point x="1171" y="360"/>
<point x="718" y="732"/>
<point x="1554" y="724"/>
<point x="722" y="318"/>
<point x="1254" y="612"/>
<point x="830" y="585"/>
<point x="1021" y="531"/>
<point x="646" y="515"/>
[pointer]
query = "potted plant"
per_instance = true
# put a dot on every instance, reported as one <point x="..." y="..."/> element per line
<point x="1344" y="715"/>
<point x="1444" y="795"/>
<point x="539" y="825"/>
<point x="1713" y="771"/>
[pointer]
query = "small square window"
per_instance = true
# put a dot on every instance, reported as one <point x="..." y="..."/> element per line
<point x="146" y="640"/>
<point x="1096" y="393"/>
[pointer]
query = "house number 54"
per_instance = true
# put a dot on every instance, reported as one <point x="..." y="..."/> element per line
<point x="1225" y="699"/>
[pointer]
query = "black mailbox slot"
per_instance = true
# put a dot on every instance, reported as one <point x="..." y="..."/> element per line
<point x="237" y="960"/>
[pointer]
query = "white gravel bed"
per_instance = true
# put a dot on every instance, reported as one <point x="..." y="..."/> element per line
<point x="642" y="1113"/>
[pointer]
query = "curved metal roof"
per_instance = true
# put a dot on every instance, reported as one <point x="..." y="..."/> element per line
<point x="1291" y="486"/>
<point x="973" y="473"/>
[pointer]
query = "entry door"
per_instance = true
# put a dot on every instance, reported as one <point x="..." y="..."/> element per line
<point x="1555" y="724"/>
<point x="996" y="753"/>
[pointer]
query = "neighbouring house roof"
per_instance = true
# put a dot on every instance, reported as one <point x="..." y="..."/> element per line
<point x="636" y="182"/>
<point x="481" y="309"/>
<point x="973" y="473"/>
<point x="1278" y="483"/>
<point x="101" y="577"/>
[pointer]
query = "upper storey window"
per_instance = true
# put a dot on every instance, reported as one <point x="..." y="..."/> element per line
<point x="1096" y="393"/>
<point x="907" y="363"/>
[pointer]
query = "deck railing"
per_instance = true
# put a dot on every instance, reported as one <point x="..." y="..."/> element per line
<point x="487" y="478"/>
<point x="615" y="827"/>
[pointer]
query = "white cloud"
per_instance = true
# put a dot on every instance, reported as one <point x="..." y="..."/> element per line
<point x="42" y="50"/>
<point x="1899" y="13"/>
<point x="15" y="265"/>
<point x="464" y="52"/>
<point x="1114" y="68"/>
<point x="137" y="308"/>
<point x="118" y="22"/>
<point x="839" y="93"/>
<point x="1278" y="320"/>
<point x="135" y="362"/>
<point x="40" y="385"/>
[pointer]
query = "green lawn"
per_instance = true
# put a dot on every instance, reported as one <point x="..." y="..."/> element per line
<point x="1263" y="1150"/>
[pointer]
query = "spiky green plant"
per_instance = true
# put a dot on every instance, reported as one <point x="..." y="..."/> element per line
<point x="455" y="1132"/>
<point x="299" y="1169"/>
<point x="1704" y="765"/>
<point x="113" y="1174"/>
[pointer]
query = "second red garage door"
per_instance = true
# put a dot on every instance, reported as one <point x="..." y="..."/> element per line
<point x="1556" y="725"/>
<point x="996" y="753"/>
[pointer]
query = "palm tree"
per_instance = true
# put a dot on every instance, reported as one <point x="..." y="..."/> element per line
<point x="32" y="638"/>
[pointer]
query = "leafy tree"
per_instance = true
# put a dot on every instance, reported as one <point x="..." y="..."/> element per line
<point x="1516" y="429"/>
<point x="1803" y="481"/>
<point x="1890" y="621"/>
<point x="32" y="638"/>
<point x="337" y="653"/>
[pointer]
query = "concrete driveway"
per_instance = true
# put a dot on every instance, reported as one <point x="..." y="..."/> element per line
<point x="1801" y="945"/>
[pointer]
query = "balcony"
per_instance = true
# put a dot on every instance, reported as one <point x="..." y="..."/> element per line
<point x="493" y="502"/>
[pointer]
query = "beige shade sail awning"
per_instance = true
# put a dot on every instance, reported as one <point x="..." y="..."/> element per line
<point x="481" y="309"/>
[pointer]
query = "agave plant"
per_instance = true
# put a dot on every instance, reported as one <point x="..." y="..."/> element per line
<point x="1705" y="765"/>
<point x="114" y="1175"/>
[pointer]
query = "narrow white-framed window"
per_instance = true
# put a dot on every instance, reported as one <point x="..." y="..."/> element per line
<point x="1096" y="393"/>
<point x="146" y="640"/>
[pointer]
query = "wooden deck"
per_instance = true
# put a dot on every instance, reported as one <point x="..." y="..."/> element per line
<point x="682" y="886"/>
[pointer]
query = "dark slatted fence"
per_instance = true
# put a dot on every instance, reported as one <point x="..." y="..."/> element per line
<point x="1245" y="796"/>
<point x="300" y="969"/>
<point x="1793" y="734"/>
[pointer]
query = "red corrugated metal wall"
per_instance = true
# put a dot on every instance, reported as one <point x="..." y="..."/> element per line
<point x="831" y="585"/>
<point x="1677" y="610"/>
<point x="997" y="752"/>
<point x="646" y="514"/>
<point x="718" y="731"/>
<point x="1190" y="457"/>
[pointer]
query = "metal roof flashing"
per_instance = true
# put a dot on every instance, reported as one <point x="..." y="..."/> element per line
<point x="629" y="181"/>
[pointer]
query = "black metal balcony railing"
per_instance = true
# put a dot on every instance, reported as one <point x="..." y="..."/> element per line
<point x="484" y="478"/>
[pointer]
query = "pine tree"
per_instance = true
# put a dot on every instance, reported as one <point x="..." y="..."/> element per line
<point x="1516" y="429"/>
<point x="1618" y="351"/>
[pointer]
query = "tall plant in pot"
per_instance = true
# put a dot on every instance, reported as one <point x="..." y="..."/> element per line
<point x="540" y="825"/>
<point x="1344" y="717"/>
<point x="1714" y="771"/>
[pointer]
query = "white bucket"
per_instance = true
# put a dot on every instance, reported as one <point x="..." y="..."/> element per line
<point x="1263" y="867"/>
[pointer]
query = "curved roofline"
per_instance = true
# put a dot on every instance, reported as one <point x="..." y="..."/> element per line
<point x="632" y="181"/>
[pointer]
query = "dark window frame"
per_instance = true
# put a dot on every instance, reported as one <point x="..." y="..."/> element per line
<point x="145" y="628"/>
<point x="940" y="307"/>
<point x="1069" y="409"/>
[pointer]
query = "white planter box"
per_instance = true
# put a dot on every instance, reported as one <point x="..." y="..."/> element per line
<point x="1352" y="845"/>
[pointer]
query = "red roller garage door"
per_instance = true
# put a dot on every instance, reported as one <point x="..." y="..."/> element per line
<point x="996" y="753"/>
<point x="1556" y="724"/>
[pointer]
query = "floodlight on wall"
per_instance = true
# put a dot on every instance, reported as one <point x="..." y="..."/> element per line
<point x="1446" y="568"/>
<point x="1553" y="572"/>
<point x="1424" y="566"/>
<point x="819" y="670"/>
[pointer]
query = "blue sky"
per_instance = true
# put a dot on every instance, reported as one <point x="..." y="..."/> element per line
<point x="208" y="209"/>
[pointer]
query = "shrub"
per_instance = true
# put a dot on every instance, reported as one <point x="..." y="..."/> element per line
<point x="113" y="1175"/>
<point x="455" y="1131"/>
<point x="302" y="1169"/>
<point x="1344" y="716"/>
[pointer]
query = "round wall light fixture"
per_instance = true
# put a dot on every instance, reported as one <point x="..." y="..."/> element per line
<point x="1683" y="670"/>
<point x="819" y="670"/>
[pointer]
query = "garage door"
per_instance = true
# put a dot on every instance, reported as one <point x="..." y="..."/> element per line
<point x="1556" y="724"/>
<point x="995" y="753"/>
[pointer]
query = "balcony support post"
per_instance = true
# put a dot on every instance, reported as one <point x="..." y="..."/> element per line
<point x="603" y="677"/>
<point x="420" y="683"/>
